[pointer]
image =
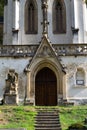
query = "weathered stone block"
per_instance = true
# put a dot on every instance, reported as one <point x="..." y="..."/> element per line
<point x="10" y="99"/>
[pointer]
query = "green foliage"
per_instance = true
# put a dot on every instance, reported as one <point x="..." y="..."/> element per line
<point x="72" y="115"/>
<point x="78" y="126"/>
<point x="86" y="1"/>
<point x="1" y="7"/>
<point x="23" y="116"/>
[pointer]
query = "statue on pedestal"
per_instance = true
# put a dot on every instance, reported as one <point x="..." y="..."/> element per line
<point x="11" y="82"/>
<point x="11" y="92"/>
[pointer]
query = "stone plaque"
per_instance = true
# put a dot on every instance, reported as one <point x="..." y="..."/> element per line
<point x="80" y="82"/>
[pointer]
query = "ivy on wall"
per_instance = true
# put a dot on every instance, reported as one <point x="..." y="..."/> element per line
<point x="1" y="7"/>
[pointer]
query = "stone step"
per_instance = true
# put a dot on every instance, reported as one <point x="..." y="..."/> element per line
<point x="48" y="122"/>
<point x="47" y="109"/>
<point x="47" y="119"/>
<point x="47" y="125"/>
<point x="48" y="113"/>
<point x="44" y="114"/>
<point x="55" y="119"/>
<point x="54" y="128"/>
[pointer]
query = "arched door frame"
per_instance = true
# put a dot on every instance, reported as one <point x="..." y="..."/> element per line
<point x="46" y="87"/>
<point x="31" y="74"/>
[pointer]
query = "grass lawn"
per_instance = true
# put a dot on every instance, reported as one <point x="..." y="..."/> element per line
<point x="17" y="117"/>
<point x="72" y="115"/>
<point x="23" y="116"/>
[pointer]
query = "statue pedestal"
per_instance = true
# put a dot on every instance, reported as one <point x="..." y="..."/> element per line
<point x="10" y="99"/>
<point x="11" y="89"/>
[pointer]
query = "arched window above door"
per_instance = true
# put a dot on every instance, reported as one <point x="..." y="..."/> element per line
<point x="31" y="17"/>
<point x="59" y="17"/>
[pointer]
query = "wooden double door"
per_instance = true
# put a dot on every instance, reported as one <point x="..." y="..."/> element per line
<point x="46" y="88"/>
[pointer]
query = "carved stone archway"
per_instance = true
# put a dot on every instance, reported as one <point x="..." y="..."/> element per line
<point x="45" y="56"/>
<point x="31" y="75"/>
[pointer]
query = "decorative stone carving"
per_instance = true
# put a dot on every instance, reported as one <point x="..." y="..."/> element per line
<point x="45" y="52"/>
<point x="30" y="50"/>
<point x="70" y="49"/>
<point x="11" y="82"/>
<point x="18" y="51"/>
<point x="45" y="21"/>
<point x="10" y="95"/>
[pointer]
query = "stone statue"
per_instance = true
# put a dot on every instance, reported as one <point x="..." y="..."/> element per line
<point x="11" y="82"/>
<point x="45" y="20"/>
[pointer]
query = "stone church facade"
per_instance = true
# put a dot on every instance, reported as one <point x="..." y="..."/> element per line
<point x="43" y="60"/>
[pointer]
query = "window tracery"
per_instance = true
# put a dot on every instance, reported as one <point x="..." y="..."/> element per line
<point x="31" y="17"/>
<point x="59" y="17"/>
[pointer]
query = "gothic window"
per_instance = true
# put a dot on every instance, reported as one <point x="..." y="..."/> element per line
<point x="31" y="17"/>
<point x="80" y="77"/>
<point x="59" y="17"/>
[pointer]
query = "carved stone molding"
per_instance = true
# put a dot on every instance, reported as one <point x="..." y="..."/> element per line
<point x="30" y="50"/>
<point x="18" y="51"/>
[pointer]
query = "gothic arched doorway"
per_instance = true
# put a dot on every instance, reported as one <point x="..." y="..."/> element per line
<point x="46" y="88"/>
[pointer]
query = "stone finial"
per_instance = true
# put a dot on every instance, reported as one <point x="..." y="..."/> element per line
<point x="44" y="4"/>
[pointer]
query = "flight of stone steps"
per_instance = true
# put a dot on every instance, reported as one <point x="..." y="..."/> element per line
<point x="47" y="119"/>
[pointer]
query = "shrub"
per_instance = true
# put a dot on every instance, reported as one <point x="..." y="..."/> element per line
<point x="78" y="126"/>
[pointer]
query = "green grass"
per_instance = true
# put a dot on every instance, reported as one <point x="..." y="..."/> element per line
<point x="72" y="115"/>
<point x="17" y="117"/>
<point x="23" y="116"/>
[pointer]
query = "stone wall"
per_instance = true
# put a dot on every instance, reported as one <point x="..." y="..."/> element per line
<point x="29" y="39"/>
<point x="75" y="92"/>
<point x="71" y="57"/>
<point x="18" y="64"/>
<point x="75" y="19"/>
